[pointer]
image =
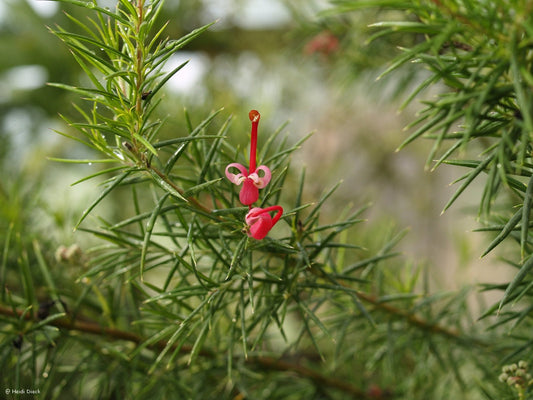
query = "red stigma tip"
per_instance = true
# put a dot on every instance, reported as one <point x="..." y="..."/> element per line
<point x="254" y="116"/>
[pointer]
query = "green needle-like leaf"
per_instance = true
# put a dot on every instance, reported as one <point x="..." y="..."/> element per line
<point x="507" y="229"/>
<point x="114" y="183"/>
<point x="468" y="180"/>
<point x="164" y="183"/>
<point x="167" y="77"/>
<point x="525" y="269"/>
<point x="91" y="5"/>
<point x="526" y="211"/>
<point x="27" y="281"/>
<point x="149" y="229"/>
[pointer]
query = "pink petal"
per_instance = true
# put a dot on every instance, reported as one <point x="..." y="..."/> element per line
<point x="237" y="179"/>
<point x="260" y="221"/>
<point x="249" y="192"/>
<point x="253" y="215"/>
<point x="261" y="181"/>
<point x="260" y="229"/>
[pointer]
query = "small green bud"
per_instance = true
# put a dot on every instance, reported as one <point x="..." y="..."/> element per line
<point x="520" y="372"/>
<point x="511" y="380"/>
<point x="506" y="369"/>
<point x="513" y="367"/>
<point x="522" y="364"/>
<point x="503" y="377"/>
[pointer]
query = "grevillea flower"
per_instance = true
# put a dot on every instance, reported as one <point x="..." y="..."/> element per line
<point x="260" y="222"/>
<point x="250" y="179"/>
<point x="324" y="43"/>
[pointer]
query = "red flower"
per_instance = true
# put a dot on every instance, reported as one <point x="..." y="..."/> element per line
<point x="250" y="179"/>
<point x="260" y="222"/>
<point x="324" y="43"/>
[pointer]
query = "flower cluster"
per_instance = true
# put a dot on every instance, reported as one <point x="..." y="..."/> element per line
<point x="517" y="376"/>
<point x="259" y="221"/>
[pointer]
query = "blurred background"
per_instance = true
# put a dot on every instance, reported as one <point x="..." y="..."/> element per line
<point x="289" y="60"/>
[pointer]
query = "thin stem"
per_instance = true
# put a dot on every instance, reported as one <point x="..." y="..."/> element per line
<point x="417" y="321"/>
<point x="139" y="64"/>
<point x="91" y="327"/>
<point x="316" y="377"/>
<point x="195" y="203"/>
<point x="409" y="317"/>
<point x="94" y="328"/>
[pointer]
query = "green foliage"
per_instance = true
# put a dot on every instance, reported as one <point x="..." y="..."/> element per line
<point x="478" y="55"/>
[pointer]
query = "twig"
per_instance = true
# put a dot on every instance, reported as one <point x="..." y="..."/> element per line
<point x="93" y="328"/>
<point x="411" y="318"/>
<point x="316" y="377"/>
<point x="66" y="324"/>
<point x="414" y="320"/>
<point x="271" y="363"/>
<point x="195" y="203"/>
